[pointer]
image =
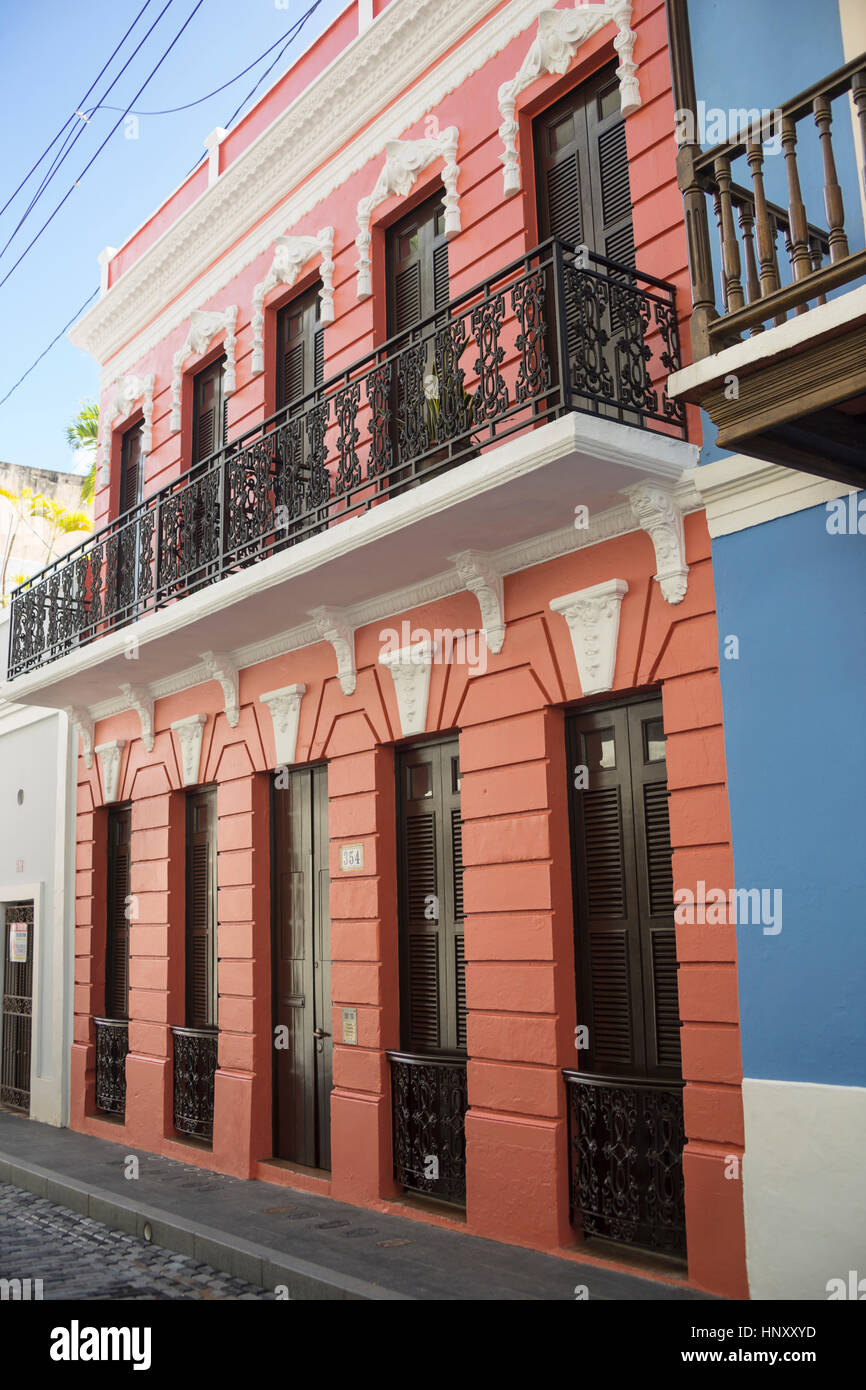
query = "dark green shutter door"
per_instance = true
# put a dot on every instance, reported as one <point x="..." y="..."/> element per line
<point x="431" y="900"/>
<point x="300" y="349"/>
<point x="130" y="469"/>
<point x="209" y="412"/>
<point x="418" y="277"/>
<point x="201" y="965"/>
<point x="117" y="924"/>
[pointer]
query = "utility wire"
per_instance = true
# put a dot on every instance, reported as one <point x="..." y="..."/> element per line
<point x="79" y="110"/>
<point x="91" y="161"/>
<point x="42" y="354"/>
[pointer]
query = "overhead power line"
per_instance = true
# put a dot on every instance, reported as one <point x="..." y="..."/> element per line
<point x="56" y="339"/>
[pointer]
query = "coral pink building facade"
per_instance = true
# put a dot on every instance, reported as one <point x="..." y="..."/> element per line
<point x="574" y="538"/>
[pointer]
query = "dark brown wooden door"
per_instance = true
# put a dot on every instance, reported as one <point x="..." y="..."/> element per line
<point x="17" y="975"/>
<point x="131" y="469"/>
<point x="430" y="882"/>
<point x="418" y="281"/>
<point x="582" y="170"/>
<point x="300" y="349"/>
<point x="201" y="903"/>
<point x="209" y="411"/>
<point x="625" y="943"/>
<point x="117" y="920"/>
<point x="302" y="970"/>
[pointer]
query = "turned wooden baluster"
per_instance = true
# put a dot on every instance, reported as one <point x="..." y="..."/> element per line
<point x="833" y="204"/>
<point x="765" y="227"/>
<point x="734" y="299"/>
<point x="747" y="224"/>
<point x="700" y="258"/>
<point x="717" y="212"/>
<point x="858" y="96"/>
<point x="817" y="252"/>
<point x="798" y="233"/>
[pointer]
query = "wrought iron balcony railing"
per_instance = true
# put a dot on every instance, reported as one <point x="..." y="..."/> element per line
<point x="560" y="329"/>
<point x="756" y="287"/>
<point x="112" y="1045"/>
<point x="195" y="1063"/>
<point x="626" y="1144"/>
<point x="429" y="1111"/>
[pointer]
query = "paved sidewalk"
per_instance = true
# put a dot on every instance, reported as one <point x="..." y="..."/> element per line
<point x="269" y="1235"/>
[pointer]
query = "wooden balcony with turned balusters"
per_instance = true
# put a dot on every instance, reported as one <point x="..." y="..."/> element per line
<point x="780" y="351"/>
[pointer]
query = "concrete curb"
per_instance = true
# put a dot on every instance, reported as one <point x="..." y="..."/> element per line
<point x="257" y="1264"/>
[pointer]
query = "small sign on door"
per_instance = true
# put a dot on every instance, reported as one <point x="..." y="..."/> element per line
<point x="351" y="857"/>
<point x="18" y="942"/>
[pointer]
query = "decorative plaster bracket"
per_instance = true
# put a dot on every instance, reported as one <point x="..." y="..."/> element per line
<point x="593" y="621"/>
<point x="290" y="256"/>
<point x="221" y="669"/>
<point x="404" y="161"/>
<point x="141" y="701"/>
<point x="127" y="390"/>
<point x="410" y="672"/>
<point x="285" y="707"/>
<point x="333" y="625"/>
<point x="109" y="758"/>
<point x="560" y="34"/>
<point x="83" y="724"/>
<point x="479" y="573"/>
<point x="656" y="511"/>
<point x="204" y="325"/>
<point x="189" y="734"/>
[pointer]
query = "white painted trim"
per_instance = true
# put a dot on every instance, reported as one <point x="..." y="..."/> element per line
<point x="740" y="491"/>
<point x="291" y="254"/>
<point x="593" y="620"/>
<point x="822" y="321"/>
<point x="204" y="326"/>
<point x="127" y="391"/>
<point x="378" y="77"/>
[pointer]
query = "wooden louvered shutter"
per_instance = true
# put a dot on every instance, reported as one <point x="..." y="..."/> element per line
<point x="209" y="412"/>
<point x="131" y="478"/>
<point x="625" y="946"/>
<point x="300" y="349"/>
<point x="431" y="900"/>
<point x="418" y="276"/>
<point x="201" y="963"/>
<point x="117" y="923"/>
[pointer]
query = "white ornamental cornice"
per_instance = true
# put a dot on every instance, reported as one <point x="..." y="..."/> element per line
<point x="189" y="735"/>
<point x="141" y="701"/>
<point x="480" y="574"/>
<point x="82" y="721"/>
<point x="410" y="671"/>
<point x="657" y="511"/>
<point x="593" y="620"/>
<point x="291" y="254"/>
<point x="204" y="326"/>
<point x="560" y="34"/>
<point x="285" y="709"/>
<point x="128" y="390"/>
<point x="221" y="668"/>
<point x="109" y="755"/>
<point x="404" y="161"/>
<point x="412" y="56"/>
<point x="333" y="626"/>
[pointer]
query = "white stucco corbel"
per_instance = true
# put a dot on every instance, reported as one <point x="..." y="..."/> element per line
<point x="141" y="701"/>
<point x="334" y="627"/>
<point x="83" y="724"/>
<point x="404" y="161"/>
<point x="410" y="672"/>
<point x="479" y="573"/>
<point x="593" y="620"/>
<point x="220" y="668"/>
<point x="656" y="511"/>
<point x="285" y="708"/>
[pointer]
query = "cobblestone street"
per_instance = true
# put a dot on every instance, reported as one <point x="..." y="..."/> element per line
<point x="78" y="1258"/>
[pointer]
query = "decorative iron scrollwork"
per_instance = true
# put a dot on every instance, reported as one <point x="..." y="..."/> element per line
<point x="491" y="397"/>
<point x="346" y="403"/>
<point x="381" y="455"/>
<point x="195" y="1063"/>
<point x="112" y="1046"/>
<point x="429" y="1096"/>
<point x="527" y="301"/>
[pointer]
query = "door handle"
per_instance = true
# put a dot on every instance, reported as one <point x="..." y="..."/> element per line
<point x="320" y="1033"/>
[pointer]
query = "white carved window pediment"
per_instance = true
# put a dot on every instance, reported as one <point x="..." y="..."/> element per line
<point x="128" y="391"/>
<point x="204" y="326"/>
<point x="560" y="34"/>
<point x="291" y="255"/>
<point x="404" y="161"/>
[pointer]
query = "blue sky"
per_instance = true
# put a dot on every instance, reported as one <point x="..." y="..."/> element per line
<point x="51" y="51"/>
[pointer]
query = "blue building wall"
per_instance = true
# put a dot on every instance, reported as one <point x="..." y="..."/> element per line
<point x="795" y="739"/>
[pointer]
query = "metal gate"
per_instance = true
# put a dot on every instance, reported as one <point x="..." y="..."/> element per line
<point x="17" y="1006"/>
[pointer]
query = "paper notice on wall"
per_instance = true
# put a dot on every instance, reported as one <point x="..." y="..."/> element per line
<point x="18" y="942"/>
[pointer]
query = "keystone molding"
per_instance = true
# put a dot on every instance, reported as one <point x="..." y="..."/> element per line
<point x="291" y="254"/>
<point x="189" y="735"/>
<point x="657" y="512"/>
<point x="204" y="325"/>
<point x="404" y="161"/>
<point x="127" y="391"/>
<point x="285" y="709"/>
<point x="333" y="626"/>
<point x="141" y="701"/>
<point x="222" y="669"/>
<point x="410" y="672"/>
<point x="482" y="576"/>
<point x="593" y="620"/>
<point x="560" y="34"/>
<point x="109" y="760"/>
